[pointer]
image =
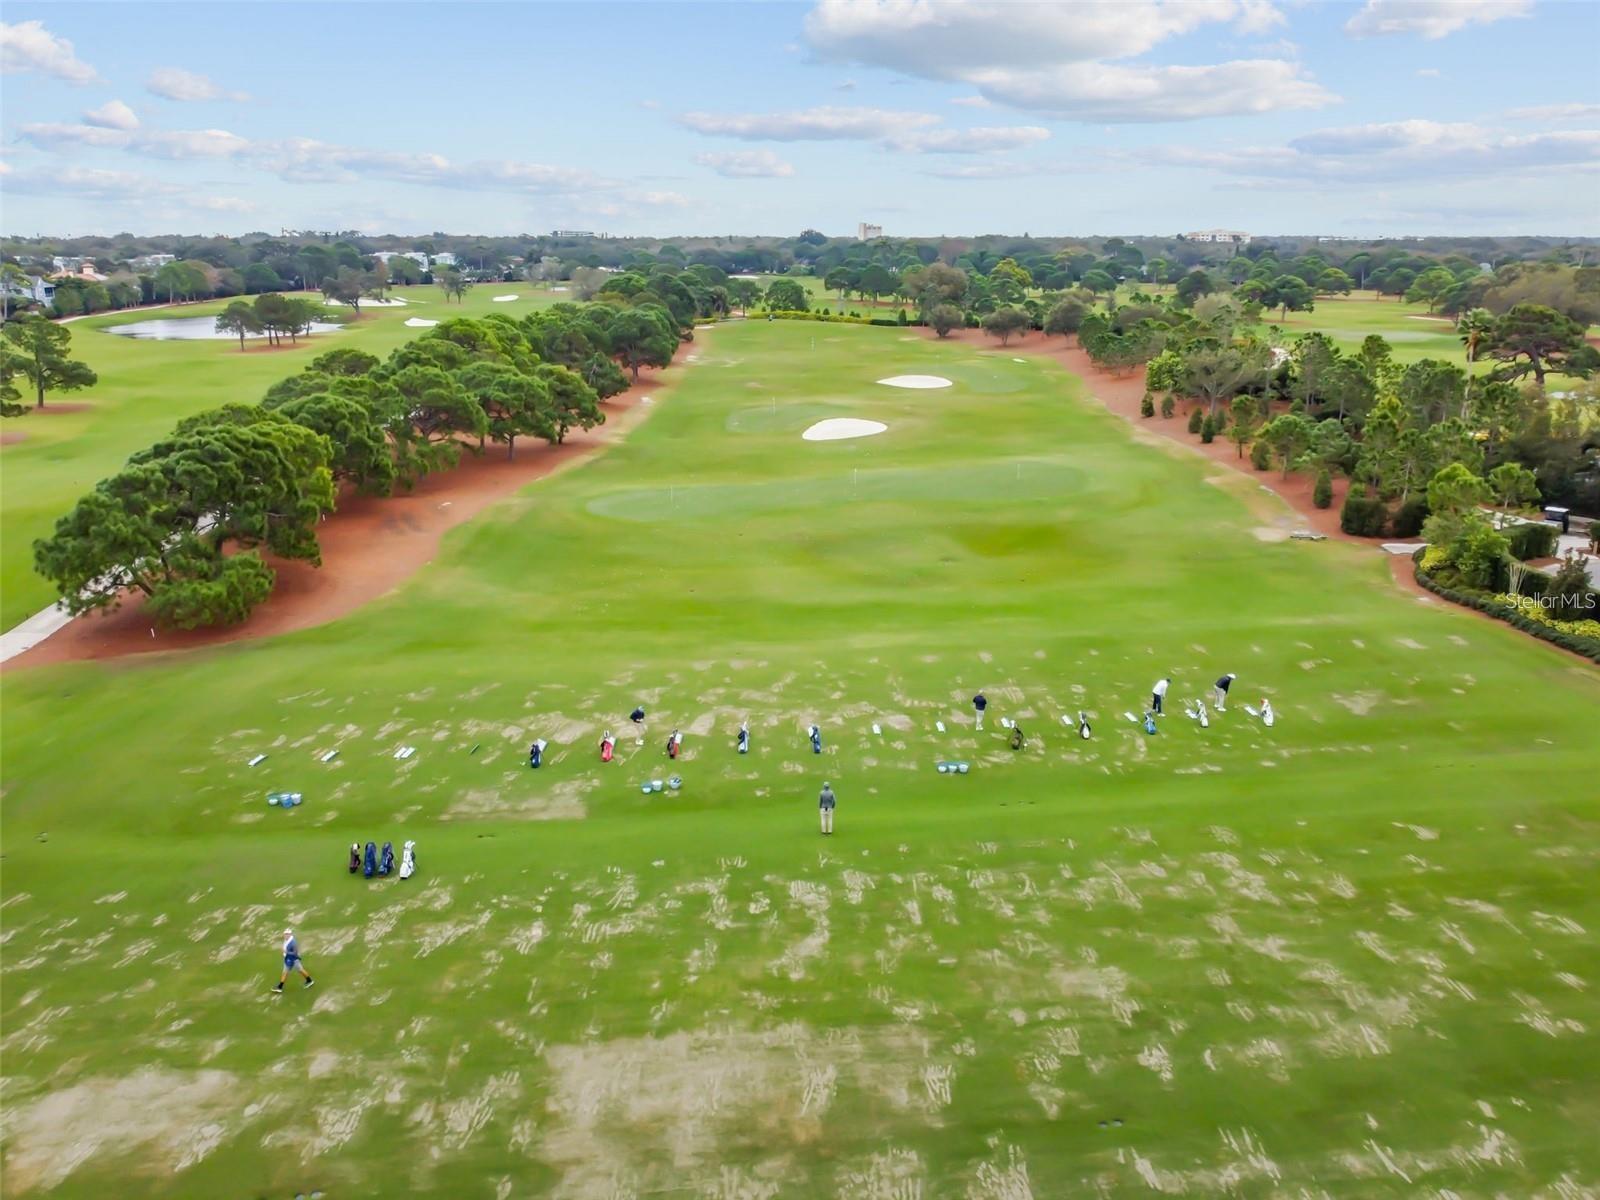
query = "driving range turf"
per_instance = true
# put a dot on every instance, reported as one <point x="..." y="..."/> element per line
<point x="1350" y="955"/>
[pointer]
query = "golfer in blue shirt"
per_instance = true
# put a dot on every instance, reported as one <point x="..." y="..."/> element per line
<point x="291" y="961"/>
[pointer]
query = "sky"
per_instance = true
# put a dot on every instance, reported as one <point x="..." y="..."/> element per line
<point x="928" y="117"/>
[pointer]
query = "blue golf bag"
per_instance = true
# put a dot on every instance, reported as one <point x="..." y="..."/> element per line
<point x="369" y="860"/>
<point x="386" y="863"/>
<point x="816" y="740"/>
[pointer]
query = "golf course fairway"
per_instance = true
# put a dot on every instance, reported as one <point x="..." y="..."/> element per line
<point x="1349" y="955"/>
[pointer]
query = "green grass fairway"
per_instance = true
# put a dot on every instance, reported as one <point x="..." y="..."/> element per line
<point x="146" y="387"/>
<point x="1351" y="956"/>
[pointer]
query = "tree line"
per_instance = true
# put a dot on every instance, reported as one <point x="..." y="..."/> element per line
<point x="186" y="522"/>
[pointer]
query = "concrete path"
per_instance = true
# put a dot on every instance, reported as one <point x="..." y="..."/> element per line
<point x="31" y="632"/>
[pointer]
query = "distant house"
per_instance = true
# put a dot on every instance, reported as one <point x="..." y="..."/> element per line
<point x="40" y="291"/>
<point x="71" y="265"/>
<point x="1231" y="236"/>
<point x="868" y="233"/>
<point x="151" y="263"/>
<point x="416" y="256"/>
<point x="572" y="233"/>
<point x="86" y="273"/>
<point x="444" y="260"/>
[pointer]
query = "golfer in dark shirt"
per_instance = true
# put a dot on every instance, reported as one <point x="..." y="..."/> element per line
<point x="825" y="806"/>
<point x="979" y="703"/>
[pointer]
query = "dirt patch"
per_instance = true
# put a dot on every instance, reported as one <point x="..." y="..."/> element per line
<point x="12" y="436"/>
<point x="564" y="802"/>
<point x="370" y="546"/>
<point x="57" y="408"/>
<point x="167" y="1114"/>
<point x="659" y="1111"/>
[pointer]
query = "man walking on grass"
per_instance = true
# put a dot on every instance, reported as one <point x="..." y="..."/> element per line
<point x="979" y="703"/>
<point x="291" y="961"/>
<point x="825" y="806"/>
<point x="1158" y="693"/>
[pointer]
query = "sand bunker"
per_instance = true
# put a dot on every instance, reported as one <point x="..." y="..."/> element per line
<point x="419" y="322"/>
<point x="503" y="299"/>
<point x="916" y="381"/>
<point x="836" y="429"/>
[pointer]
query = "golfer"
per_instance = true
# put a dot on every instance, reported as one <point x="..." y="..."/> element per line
<point x="1158" y="693"/>
<point x="979" y="703"/>
<point x="291" y="961"/>
<point x="825" y="806"/>
<point x="1220" y="692"/>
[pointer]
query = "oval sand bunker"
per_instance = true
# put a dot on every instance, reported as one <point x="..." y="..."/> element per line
<point x="836" y="429"/>
<point x="916" y="381"/>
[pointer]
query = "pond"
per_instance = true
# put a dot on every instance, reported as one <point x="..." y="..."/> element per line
<point x="191" y="329"/>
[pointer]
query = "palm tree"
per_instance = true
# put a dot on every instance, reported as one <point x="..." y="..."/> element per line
<point x="1474" y="325"/>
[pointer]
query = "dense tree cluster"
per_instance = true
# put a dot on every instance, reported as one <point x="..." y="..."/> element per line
<point x="185" y="522"/>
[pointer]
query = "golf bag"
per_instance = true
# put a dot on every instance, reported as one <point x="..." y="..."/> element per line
<point x="1016" y="737"/>
<point x="672" y="744"/>
<point x="744" y="739"/>
<point x="355" y="857"/>
<point x="1149" y="723"/>
<point x="536" y="754"/>
<point x="386" y="862"/>
<point x="816" y="740"/>
<point x="1083" y="727"/>
<point x="408" y="860"/>
<point x="369" y="860"/>
<point x="608" y="744"/>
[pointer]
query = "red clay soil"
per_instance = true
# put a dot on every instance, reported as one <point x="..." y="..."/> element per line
<point x="370" y="546"/>
<point x="11" y="437"/>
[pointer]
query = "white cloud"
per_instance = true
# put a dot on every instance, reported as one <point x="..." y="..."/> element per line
<point x="1061" y="58"/>
<point x="973" y="101"/>
<point x="1009" y="168"/>
<point x="942" y="39"/>
<point x="307" y="160"/>
<point x="120" y="187"/>
<point x="1431" y="19"/>
<point x="174" y="83"/>
<point x="29" y="46"/>
<point x="968" y="141"/>
<point x="1113" y="93"/>
<point x="171" y="143"/>
<point x="113" y="114"/>
<point x="825" y="123"/>
<point x="1555" y="112"/>
<point x="1399" y="151"/>
<point x="746" y="164"/>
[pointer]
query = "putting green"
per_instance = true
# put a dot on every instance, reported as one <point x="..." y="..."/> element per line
<point x="1351" y="955"/>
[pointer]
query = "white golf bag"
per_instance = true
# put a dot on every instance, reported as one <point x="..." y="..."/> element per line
<point x="408" y="860"/>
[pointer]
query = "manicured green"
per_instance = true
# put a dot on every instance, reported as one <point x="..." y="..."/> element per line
<point x="146" y="387"/>
<point x="1350" y="955"/>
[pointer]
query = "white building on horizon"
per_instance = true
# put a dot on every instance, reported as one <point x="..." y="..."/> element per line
<point x="1234" y="236"/>
<point x="868" y="233"/>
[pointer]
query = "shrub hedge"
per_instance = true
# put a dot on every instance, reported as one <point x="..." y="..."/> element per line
<point x="1363" y="515"/>
<point x="1484" y="602"/>
<point x="1531" y="541"/>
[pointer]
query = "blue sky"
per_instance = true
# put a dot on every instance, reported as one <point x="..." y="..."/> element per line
<point x="926" y="116"/>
